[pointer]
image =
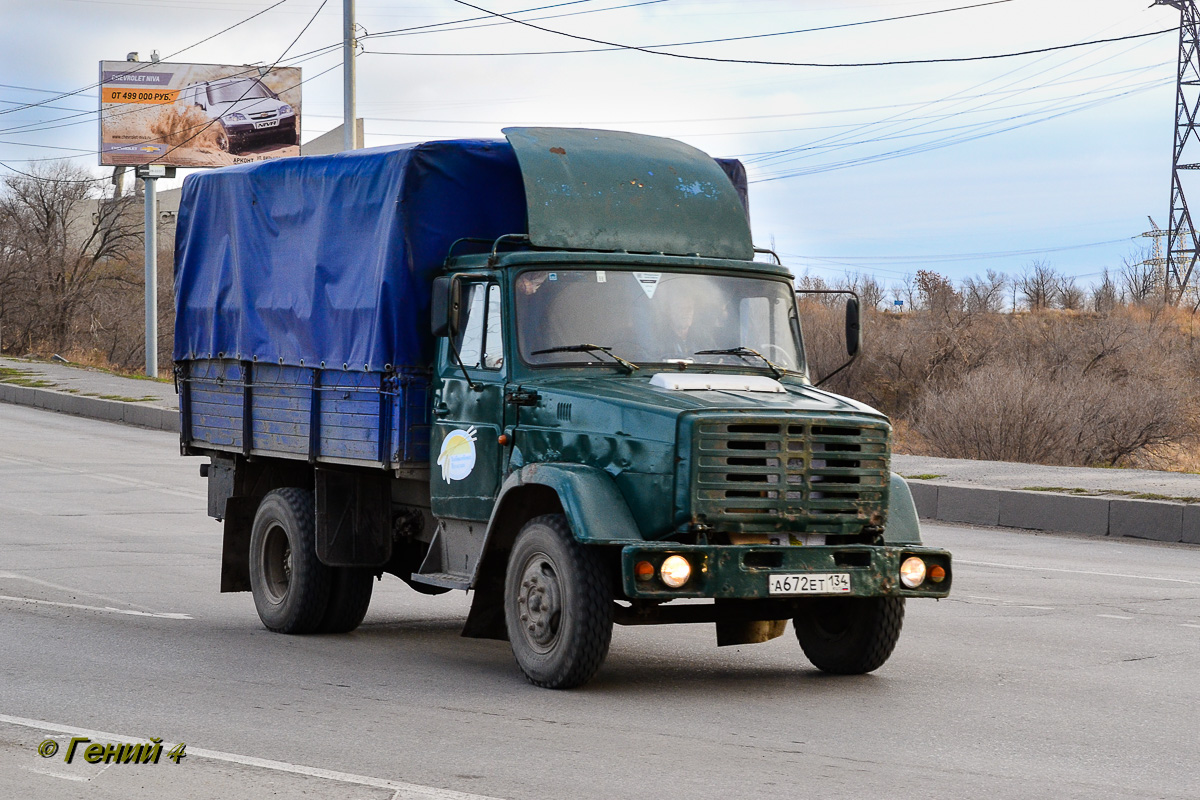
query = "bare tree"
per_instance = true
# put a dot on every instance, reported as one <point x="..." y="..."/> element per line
<point x="1039" y="285"/>
<point x="1141" y="281"/>
<point x="63" y="243"/>
<point x="936" y="292"/>
<point x="985" y="295"/>
<point x="870" y="291"/>
<point x="1071" y="296"/>
<point x="1105" y="296"/>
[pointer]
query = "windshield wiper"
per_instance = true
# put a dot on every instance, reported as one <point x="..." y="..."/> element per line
<point x="589" y="348"/>
<point x="742" y="352"/>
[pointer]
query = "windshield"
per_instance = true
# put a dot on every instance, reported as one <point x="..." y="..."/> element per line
<point x="656" y="317"/>
<point x="233" y="91"/>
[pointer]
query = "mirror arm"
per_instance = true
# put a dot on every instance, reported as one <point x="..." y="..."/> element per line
<point x="853" y="358"/>
<point x="857" y="352"/>
<point x="475" y="387"/>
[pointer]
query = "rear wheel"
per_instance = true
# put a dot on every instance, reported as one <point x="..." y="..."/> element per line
<point x="849" y="635"/>
<point x="290" y="586"/>
<point x="557" y="605"/>
<point x="349" y="597"/>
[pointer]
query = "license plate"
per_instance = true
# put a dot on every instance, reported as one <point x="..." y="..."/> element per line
<point x="270" y="123"/>
<point x="810" y="583"/>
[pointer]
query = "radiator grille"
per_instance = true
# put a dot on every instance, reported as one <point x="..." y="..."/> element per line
<point x="790" y="474"/>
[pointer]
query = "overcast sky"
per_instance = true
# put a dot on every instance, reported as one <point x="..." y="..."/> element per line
<point x="958" y="167"/>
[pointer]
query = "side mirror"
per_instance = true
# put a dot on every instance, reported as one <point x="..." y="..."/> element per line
<point x="445" y="305"/>
<point x="853" y="328"/>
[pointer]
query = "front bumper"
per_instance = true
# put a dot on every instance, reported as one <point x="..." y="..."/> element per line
<point x="742" y="572"/>
<point x="245" y="131"/>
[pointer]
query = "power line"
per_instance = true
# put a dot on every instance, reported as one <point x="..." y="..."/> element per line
<point x="193" y="127"/>
<point x="945" y="142"/>
<point x="462" y="26"/>
<point x="900" y="118"/>
<point x="214" y="120"/>
<point x="648" y="49"/>
<point x="133" y="108"/>
<point x="147" y="64"/>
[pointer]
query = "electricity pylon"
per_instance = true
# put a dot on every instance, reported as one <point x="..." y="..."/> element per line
<point x="1183" y="242"/>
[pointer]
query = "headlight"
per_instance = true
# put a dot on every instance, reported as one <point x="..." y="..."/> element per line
<point x="912" y="572"/>
<point x="675" y="571"/>
<point x="234" y="116"/>
<point x="285" y="110"/>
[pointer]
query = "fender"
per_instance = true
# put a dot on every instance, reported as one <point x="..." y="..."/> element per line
<point x="589" y="498"/>
<point x="902" y="525"/>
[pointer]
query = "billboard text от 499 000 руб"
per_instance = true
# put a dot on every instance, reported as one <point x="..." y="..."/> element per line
<point x="197" y="115"/>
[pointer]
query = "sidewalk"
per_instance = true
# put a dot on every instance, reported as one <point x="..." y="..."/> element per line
<point x="84" y="392"/>
<point x="1143" y="504"/>
<point x="1138" y="503"/>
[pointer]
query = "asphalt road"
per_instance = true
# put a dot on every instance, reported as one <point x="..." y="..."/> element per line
<point x="1061" y="667"/>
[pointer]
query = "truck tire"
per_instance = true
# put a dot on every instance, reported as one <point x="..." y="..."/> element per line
<point x="850" y="635"/>
<point x="557" y="605"/>
<point x="290" y="586"/>
<point x="349" y="597"/>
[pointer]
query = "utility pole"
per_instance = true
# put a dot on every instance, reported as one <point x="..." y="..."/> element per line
<point x="1183" y="243"/>
<point x="349" y="46"/>
<point x="151" y="208"/>
<point x="150" y="173"/>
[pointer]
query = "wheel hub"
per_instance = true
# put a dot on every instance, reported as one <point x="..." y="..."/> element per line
<point x="277" y="564"/>
<point x="540" y="603"/>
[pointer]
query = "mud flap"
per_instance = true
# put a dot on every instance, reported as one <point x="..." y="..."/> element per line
<point x="235" y="549"/>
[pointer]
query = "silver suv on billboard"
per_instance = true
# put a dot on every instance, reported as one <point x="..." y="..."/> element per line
<point x="246" y="112"/>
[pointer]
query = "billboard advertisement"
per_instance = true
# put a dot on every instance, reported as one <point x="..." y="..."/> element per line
<point x="197" y="115"/>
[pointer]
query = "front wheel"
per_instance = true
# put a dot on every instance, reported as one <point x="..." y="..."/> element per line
<point x="557" y="605"/>
<point x="849" y="635"/>
<point x="291" y="587"/>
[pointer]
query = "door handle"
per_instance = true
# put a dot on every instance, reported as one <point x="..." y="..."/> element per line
<point x="441" y="410"/>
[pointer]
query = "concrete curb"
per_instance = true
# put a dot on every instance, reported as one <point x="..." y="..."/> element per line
<point x="1115" y="517"/>
<point x="138" y="414"/>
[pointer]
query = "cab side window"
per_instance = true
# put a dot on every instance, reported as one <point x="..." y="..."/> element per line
<point x="479" y="341"/>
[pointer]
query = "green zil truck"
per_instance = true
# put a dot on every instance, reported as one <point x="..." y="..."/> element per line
<point x="553" y="370"/>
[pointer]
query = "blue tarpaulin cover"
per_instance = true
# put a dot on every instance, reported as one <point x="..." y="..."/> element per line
<point x="330" y="258"/>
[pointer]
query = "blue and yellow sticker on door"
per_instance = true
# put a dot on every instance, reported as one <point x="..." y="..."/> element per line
<point x="457" y="456"/>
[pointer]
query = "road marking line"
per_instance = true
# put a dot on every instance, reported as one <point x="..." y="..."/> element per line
<point x="134" y="483"/>
<point x="109" y="609"/>
<point x="1074" y="571"/>
<point x="72" y="590"/>
<point x="1037" y="608"/>
<point x="41" y="771"/>
<point x="1113" y="616"/>
<point x="403" y="791"/>
<point x="1188" y="625"/>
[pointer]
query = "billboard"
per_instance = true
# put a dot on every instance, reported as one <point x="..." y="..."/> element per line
<point x="197" y="115"/>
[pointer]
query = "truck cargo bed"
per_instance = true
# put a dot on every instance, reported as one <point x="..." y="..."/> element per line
<point x="378" y="419"/>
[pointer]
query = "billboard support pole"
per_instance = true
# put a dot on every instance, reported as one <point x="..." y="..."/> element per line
<point x="349" y="45"/>
<point x="151" y="277"/>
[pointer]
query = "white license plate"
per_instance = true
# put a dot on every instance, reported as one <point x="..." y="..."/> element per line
<point x="809" y="583"/>
<point x="270" y="123"/>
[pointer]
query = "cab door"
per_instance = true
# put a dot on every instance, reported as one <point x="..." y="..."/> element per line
<point x="468" y="410"/>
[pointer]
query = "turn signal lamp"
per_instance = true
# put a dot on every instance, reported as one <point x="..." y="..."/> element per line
<point x="675" y="571"/>
<point x="937" y="573"/>
<point x="912" y="572"/>
<point x="643" y="570"/>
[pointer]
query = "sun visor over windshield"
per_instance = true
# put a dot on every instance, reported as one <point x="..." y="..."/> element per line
<point x="604" y="190"/>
